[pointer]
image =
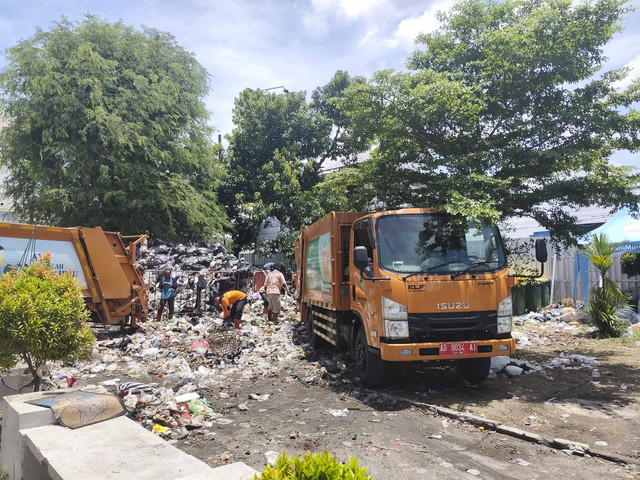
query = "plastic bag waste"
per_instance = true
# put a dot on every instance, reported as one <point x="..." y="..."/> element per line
<point x="198" y="407"/>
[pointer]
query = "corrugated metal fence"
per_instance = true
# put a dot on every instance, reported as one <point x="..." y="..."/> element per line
<point x="564" y="276"/>
<point x="254" y="259"/>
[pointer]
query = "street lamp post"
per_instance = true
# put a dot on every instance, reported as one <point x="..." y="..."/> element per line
<point x="273" y="88"/>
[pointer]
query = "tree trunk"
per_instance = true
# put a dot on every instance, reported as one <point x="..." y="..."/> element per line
<point x="33" y="370"/>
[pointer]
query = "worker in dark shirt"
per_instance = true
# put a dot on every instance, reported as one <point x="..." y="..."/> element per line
<point x="223" y="284"/>
<point x="200" y="285"/>
<point x="167" y="287"/>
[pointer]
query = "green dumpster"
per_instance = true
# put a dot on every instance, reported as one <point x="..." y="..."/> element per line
<point x="533" y="297"/>
<point x="545" y="293"/>
<point x="518" y="299"/>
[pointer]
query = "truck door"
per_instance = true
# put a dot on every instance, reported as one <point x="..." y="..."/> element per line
<point x="362" y="291"/>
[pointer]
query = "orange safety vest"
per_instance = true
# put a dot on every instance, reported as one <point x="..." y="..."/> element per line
<point x="228" y="299"/>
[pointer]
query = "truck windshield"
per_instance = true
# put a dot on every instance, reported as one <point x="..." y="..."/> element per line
<point x="437" y="243"/>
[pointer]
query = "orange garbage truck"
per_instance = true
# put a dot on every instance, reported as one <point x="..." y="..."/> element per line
<point x="407" y="285"/>
<point x="113" y="287"/>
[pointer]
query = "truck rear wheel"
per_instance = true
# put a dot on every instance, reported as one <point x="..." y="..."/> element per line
<point x="370" y="366"/>
<point x="314" y="340"/>
<point x="474" y="370"/>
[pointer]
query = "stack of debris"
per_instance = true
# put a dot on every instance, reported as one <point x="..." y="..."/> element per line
<point x="190" y="258"/>
<point x="567" y="318"/>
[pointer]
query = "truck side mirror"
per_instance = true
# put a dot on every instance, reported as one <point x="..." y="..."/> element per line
<point x="360" y="257"/>
<point x="541" y="250"/>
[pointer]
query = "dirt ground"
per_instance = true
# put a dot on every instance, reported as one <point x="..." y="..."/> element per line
<point x="392" y="439"/>
<point x="397" y="441"/>
<point x="567" y="403"/>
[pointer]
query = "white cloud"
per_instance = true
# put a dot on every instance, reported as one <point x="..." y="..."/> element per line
<point x="626" y="159"/>
<point x="409" y="28"/>
<point x="327" y="14"/>
<point x="351" y="9"/>
<point x="316" y="22"/>
<point x="634" y="66"/>
<point x="355" y="9"/>
<point x="371" y="34"/>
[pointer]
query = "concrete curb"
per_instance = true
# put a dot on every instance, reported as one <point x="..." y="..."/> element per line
<point x="556" y="443"/>
<point x="518" y="433"/>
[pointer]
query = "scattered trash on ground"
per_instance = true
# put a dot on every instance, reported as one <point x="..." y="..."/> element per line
<point x="170" y="365"/>
<point x="338" y="413"/>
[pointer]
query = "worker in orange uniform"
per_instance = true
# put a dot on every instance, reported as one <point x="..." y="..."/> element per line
<point x="232" y="303"/>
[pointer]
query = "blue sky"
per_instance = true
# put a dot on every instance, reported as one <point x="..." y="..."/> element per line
<point x="262" y="44"/>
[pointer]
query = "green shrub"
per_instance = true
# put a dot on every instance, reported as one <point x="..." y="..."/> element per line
<point x="606" y="307"/>
<point x="43" y="317"/>
<point x="607" y="304"/>
<point x="313" y="467"/>
<point x="630" y="264"/>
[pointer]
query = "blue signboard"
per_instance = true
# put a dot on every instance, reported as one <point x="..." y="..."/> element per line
<point x="63" y="255"/>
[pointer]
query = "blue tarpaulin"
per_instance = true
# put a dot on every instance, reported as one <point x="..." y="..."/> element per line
<point x="622" y="227"/>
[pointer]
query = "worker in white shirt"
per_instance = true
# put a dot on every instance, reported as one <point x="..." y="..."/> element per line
<point x="273" y="285"/>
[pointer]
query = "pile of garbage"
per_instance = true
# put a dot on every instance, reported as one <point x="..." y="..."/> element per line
<point x="534" y="328"/>
<point x="568" y="318"/>
<point x="189" y="265"/>
<point x="512" y="367"/>
<point x="194" y="257"/>
<point x="167" y="372"/>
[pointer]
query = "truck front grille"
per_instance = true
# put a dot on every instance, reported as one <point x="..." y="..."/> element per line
<point x="455" y="326"/>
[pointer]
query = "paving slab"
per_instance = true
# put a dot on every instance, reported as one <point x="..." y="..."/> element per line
<point x="115" y="449"/>
<point x="233" y="471"/>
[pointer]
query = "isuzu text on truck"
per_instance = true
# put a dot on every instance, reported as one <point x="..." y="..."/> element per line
<point x="407" y="285"/>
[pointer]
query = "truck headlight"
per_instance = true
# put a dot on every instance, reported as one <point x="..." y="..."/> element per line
<point x="505" y="309"/>
<point x="394" y="316"/>
<point x="393" y="310"/>
<point x="396" y="329"/>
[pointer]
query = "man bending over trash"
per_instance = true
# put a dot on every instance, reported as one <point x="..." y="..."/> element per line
<point x="232" y="303"/>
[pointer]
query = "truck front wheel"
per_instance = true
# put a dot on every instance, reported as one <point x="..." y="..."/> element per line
<point x="370" y="366"/>
<point x="474" y="370"/>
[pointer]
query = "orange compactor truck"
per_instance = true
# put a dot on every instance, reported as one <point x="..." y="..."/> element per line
<point x="113" y="287"/>
<point x="407" y="285"/>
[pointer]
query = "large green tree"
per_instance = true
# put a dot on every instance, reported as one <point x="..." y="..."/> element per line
<point x="505" y="112"/>
<point x="107" y="126"/>
<point x="277" y="150"/>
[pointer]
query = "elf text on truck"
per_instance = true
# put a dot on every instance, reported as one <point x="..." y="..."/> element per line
<point x="407" y="285"/>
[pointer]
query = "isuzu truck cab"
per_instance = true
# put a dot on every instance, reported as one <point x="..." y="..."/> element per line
<point x="407" y="285"/>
